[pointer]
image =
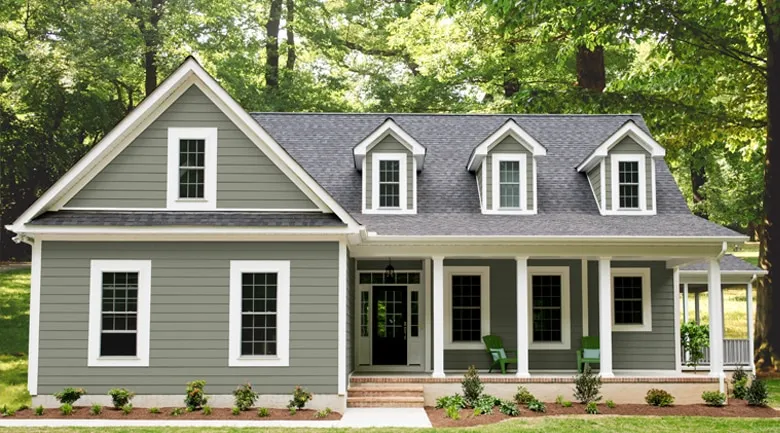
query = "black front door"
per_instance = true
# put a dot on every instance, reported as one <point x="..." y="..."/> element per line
<point x="389" y="343"/>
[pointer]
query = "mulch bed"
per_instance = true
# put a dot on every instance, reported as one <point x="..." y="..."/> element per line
<point x="735" y="408"/>
<point x="165" y="413"/>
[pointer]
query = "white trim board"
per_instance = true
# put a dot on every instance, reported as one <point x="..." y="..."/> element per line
<point x="629" y="129"/>
<point x="509" y="129"/>
<point x="521" y="159"/>
<point x="35" y="318"/>
<point x="484" y="273"/>
<point x="615" y="183"/>
<point x="173" y="179"/>
<point x="389" y="127"/>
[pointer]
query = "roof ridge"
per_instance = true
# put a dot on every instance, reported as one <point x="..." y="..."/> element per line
<point x="510" y="115"/>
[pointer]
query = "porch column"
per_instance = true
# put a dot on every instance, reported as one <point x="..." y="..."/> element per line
<point x="696" y="309"/>
<point x="438" y="316"/>
<point x="522" y="317"/>
<point x="751" y="343"/>
<point x="605" y="317"/>
<point x="685" y="303"/>
<point x="716" y="319"/>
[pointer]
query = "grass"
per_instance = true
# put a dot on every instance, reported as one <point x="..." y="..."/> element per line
<point x="748" y="252"/>
<point x="14" y="329"/>
<point x="734" y="311"/>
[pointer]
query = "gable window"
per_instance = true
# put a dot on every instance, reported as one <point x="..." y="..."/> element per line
<point x="259" y="313"/>
<point x="550" y="325"/>
<point x="628" y="182"/>
<point x="389" y="182"/>
<point x="509" y="182"/>
<point x="192" y="168"/>
<point x="467" y="305"/>
<point x="631" y="299"/>
<point x="119" y="313"/>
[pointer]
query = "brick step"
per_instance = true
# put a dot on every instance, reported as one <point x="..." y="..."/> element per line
<point x="379" y="390"/>
<point x="386" y="401"/>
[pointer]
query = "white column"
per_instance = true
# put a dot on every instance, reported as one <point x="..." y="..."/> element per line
<point x="716" y="319"/>
<point x="438" y="316"/>
<point x="685" y="303"/>
<point x="696" y="309"/>
<point x="605" y="317"/>
<point x="342" y="325"/>
<point x="751" y="343"/>
<point x="35" y="318"/>
<point x="522" y="317"/>
<point x="677" y="338"/>
<point x="585" y="324"/>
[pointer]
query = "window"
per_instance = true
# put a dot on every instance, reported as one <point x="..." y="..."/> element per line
<point x="509" y="182"/>
<point x="389" y="183"/>
<point x="364" y="311"/>
<point x="415" y="316"/>
<point x="192" y="168"/>
<point x="628" y="183"/>
<point x="631" y="299"/>
<point x="467" y="306"/>
<point x="119" y="313"/>
<point x="550" y="321"/>
<point x="259" y="313"/>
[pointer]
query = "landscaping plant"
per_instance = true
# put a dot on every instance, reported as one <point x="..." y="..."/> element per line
<point x="508" y="408"/>
<point x="559" y="399"/>
<point x="713" y="398"/>
<point x="235" y="410"/>
<point x="263" y="412"/>
<point x="5" y="411"/>
<point x="70" y="395"/>
<point x="207" y="410"/>
<point x="587" y="386"/>
<point x="120" y="397"/>
<point x="450" y="400"/>
<point x="757" y="393"/>
<point x="739" y="381"/>
<point x="96" y="409"/>
<point x="484" y="404"/>
<point x="536" y="406"/>
<point x="293" y="410"/>
<point x="695" y="338"/>
<point x="195" y="397"/>
<point x="154" y="410"/>
<point x="523" y="396"/>
<point x="66" y="408"/>
<point x="39" y="410"/>
<point x="300" y="398"/>
<point x="323" y="413"/>
<point x="177" y="411"/>
<point x="472" y="386"/>
<point x="591" y="408"/>
<point x="567" y="403"/>
<point x="610" y="404"/>
<point x="126" y="409"/>
<point x="659" y="397"/>
<point x="453" y="412"/>
<point x="245" y="396"/>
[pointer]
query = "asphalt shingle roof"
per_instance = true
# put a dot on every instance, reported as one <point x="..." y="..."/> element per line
<point x="728" y="262"/>
<point x="182" y="219"/>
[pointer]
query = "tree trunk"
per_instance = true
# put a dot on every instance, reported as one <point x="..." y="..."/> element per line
<point x="590" y="69"/>
<point x="767" y="333"/>
<point x="291" y="56"/>
<point x="148" y="24"/>
<point x="698" y="179"/>
<point x="272" y="45"/>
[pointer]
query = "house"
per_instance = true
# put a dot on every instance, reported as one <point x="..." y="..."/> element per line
<point x="199" y="241"/>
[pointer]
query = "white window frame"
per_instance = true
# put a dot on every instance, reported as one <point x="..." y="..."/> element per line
<point x="497" y="159"/>
<point x="143" y="317"/>
<point x="484" y="305"/>
<point x="209" y="200"/>
<point x="282" y="270"/>
<point x="647" y="303"/>
<point x="376" y="157"/>
<point x="615" y="182"/>
<point x="565" y="343"/>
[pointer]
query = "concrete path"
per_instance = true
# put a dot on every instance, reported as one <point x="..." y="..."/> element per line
<point x="385" y="417"/>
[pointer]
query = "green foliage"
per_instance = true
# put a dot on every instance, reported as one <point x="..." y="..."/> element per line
<point x="127" y="409"/>
<point x="70" y="395"/>
<point x="300" y="397"/>
<point x="323" y="413"/>
<point x="536" y="406"/>
<point x="5" y="411"/>
<point x="453" y="412"/>
<point x="264" y="412"/>
<point x="523" y="396"/>
<point x="695" y="339"/>
<point x="484" y="404"/>
<point x="757" y="393"/>
<point x="206" y="410"/>
<point x="195" y="396"/>
<point x="235" y="410"/>
<point x="39" y="410"/>
<point x="120" y="397"/>
<point x="96" y="409"/>
<point x="659" y="397"/>
<point x="566" y="403"/>
<point x="451" y="400"/>
<point x="472" y="386"/>
<point x="154" y="410"/>
<point x="713" y="398"/>
<point x="66" y="408"/>
<point x="591" y="408"/>
<point x="559" y="399"/>
<point x="610" y="404"/>
<point x="739" y="381"/>
<point x="245" y="396"/>
<point x="293" y="410"/>
<point x="177" y="411"/>
<point x="587" y="386"/>
<point x="508" y="408"/>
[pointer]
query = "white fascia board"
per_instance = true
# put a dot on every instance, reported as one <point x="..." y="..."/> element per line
<point x="629" y="129"/>
<point x="389" y="127"/>
<point x="184" y="230"/>
<point x="627" y="239"/>
<point x="733" y="273"/>
<point x="510" y="128"/>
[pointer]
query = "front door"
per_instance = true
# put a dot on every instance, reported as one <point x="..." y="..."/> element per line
<point x="389" y="328"/>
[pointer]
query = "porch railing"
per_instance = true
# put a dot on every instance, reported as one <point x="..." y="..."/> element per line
<point x="735" y="352"/>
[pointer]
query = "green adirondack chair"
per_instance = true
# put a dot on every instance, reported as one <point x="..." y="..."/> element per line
<point x="593" y="355"/>
<point x="495" y="350"/>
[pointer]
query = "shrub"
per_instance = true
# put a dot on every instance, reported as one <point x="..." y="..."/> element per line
<point x="22" y="407"/>
<point x="323" y="413"/>
<point x="235" y="410"/>
<point x="610" y="404"/>
<point x="587" y="386"/>
<point x="450" y="400"/>
<point x="695" y="338"/>
<point x="739" y="380"/>
<point x="154" y="410"/>
<point x="508" y="408"/>
<point x="293" y="410"/>
<point x="5" y="411"/>
<point x="659" y="397"/>
<point x="472" y="386"/>
<point x="120" y="397"/>
<point x="207" y="410"/>
<point x="757" y="393"/>
<point x="66" y="408"/>
<point x="263" y="412"/>
<point x="126" y="409"/>
<point x="537" y="406"/>
<point x="567" y="403"/>
<point x="523" y="396"/>
<point x="195" y="397"/>
<point x="177" y="411"/>
<point x="484" y="404"/>
<point x="245" y="397"/>
<point x="591" y="408"/>
<point x="96" y="409"/>
<point x="39" y="410"/>
<point x="453" y="412"/>
<point x="714" y="398"/>
<point x="559" y="399"/>
<point x="70" y="395"/>
<point x="300" y="398"/>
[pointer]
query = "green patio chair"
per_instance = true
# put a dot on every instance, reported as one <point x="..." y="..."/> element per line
<point x="589" y="353"/>
<point x="495" y="350"/>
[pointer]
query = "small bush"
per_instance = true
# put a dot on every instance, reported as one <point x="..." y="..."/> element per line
<point x="235" y="410"/>
<point x="264" y="412"/>
<point x="323" y="413"/>
<point x="300" y="397"/>
<point x="757" y="393"/>
<point x="587" y="386"/>
<point x="472" y="386"/>
<point x="293" y="410"/>
<point x="713" y="398"/>
<point x="70" y="395"/>
<point x="739" y="380"/>
<point x="120" y="397"/>
<point x="537" y="406"/>
<point x="66" y="408"/>
<point x="244" y="396"/>
<point x="567" y="403"/>
<point x="5" y="411"/>
<point x="610" y="404"/>
<point x="591" y="408"/>
<point x="196" y="396"/>
<point x="453" y="412"/>
<point x="207" y="410"/>
<point x="508" y="408"/>
<point x="484" y="404"/>
<point x="659" y="397"/>
<point x="22" y="407"/>
<point x="177" y="411"/>
<point x="559" y="399"/>
<point x="154" y="410"/>
<point x="96" y="409"/>
<point x="39" y="410"/>
<point x="523" y="396"/>
<point x="739" y="374"/>
<point x="126" y="409"/>
<point x="450" y="400"/>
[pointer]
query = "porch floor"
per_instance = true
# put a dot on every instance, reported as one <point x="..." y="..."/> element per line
<point x="537" y="376"/>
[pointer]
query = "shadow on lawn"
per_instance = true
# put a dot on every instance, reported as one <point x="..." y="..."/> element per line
<point x="14" y="330"/>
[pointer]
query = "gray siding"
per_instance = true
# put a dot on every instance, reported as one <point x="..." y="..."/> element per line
<point x="510" y="145"/>
<point x="503" y="316"/>
<point x="246" y="178"/>
<point x="390" y="145"/>
<point x="641" y="350"/>
<point x="594" y="175"/>
<point x="629" y="146"/>
<point x="189" y="317"/>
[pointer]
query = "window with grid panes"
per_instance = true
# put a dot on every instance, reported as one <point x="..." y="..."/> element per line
<point x="192" y="168"/>
<point x="466" y="308"/>
<point x="509" y="184"/>
<point x="628" y="184"/>
<point x="119" y="314"/>
<point x="547" y="308"/>
<point x="258" y="314"/>
<point x="628" y="300"/>
<point x="389" y="184"/>
<point x="415" y="327"/>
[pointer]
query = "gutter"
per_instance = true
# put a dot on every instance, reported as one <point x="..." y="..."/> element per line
<point x="374" y="237"/>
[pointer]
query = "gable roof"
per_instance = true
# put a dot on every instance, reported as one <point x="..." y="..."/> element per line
<point x="629" y="129"/>
<point x="510" y="128"/>
<point x="389" y="127"/>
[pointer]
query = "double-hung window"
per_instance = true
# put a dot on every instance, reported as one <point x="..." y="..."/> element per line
<point x="389" y="183"/>
<point x="550" y="321"/>
<point x="628" y="182"/>
<point x="509" y="183"/>
<point x="259" y="313"/>
<point x="192" y="168"/>
<point x="631" y="299"/>
<point x="119" y="315"/>
<point x="467" y="306"/>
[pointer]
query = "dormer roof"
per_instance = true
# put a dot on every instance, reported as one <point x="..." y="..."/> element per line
<point x="628" y="129"/>
<point x="389" y="127"/>
<point x="510" y="128"/>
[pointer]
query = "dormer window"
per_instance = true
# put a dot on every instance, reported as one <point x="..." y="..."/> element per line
<point x="192" y="168"/>
<point x="628" y="174"/>
<point x="389" y="174"/>
<point x="509" y="182"/>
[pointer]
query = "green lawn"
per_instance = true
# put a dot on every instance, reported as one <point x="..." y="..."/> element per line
<point x="14" y="328"/>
